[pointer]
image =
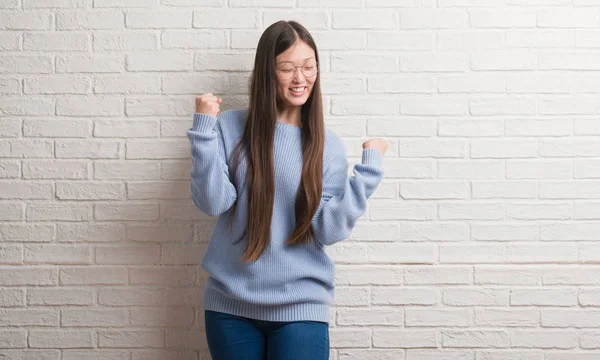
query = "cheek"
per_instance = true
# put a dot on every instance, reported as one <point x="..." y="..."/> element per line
<point x="281" y="87"/>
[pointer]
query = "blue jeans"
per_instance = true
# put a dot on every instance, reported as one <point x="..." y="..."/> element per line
<point x="233" y="337"/>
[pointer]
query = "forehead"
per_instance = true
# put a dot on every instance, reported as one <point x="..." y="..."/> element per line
<point x="297" y="53"/>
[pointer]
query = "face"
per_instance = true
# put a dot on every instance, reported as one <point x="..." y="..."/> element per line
<point x="293" y="86"/>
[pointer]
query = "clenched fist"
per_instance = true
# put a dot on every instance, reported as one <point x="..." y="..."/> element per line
<point x="377" y="143"/>
<point x="208" y="104"/>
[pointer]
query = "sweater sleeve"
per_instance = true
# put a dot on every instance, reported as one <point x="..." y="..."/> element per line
<point x="344" y="198"/>
<point x="211" y="188"/>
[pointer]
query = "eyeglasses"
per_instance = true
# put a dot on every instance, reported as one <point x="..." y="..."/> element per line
<point x="288" y="71"/>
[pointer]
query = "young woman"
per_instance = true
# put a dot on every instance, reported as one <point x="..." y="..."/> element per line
<point x="278" y="180"/>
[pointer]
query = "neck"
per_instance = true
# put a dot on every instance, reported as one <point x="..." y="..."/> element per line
<point x="289" y="115"/>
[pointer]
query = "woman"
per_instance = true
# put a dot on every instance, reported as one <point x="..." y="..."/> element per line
<point x="278" y="180"/>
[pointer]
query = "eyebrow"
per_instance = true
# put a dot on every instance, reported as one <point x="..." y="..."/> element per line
<point x="291" y="62"/>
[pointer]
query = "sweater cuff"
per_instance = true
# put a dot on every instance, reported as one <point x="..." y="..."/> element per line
<point x="372" y="157"/>
<point x="203" y="123"/>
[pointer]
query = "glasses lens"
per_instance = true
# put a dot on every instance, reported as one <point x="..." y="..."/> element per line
<point x="288" y="71"/>
<point x="310" y="69"/>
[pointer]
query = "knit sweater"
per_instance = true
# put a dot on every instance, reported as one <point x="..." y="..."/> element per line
<point x="287" y="283"/>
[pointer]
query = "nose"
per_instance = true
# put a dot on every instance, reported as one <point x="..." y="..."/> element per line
<point x="298" y="74"/>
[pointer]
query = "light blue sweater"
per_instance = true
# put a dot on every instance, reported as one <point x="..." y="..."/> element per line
<point x="286" y="283"/>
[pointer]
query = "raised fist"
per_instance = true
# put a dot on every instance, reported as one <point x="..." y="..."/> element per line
<point x="208" y="104"/>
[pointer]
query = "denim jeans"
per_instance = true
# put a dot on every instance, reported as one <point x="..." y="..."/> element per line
<point x="233" y="337"/>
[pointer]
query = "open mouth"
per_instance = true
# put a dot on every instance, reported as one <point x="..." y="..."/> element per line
<point x="298" y="90"/>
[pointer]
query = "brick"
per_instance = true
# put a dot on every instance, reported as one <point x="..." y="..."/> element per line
<point x="568" y="18"/>
<point x="439" y="275"/>
<point x="59" y="297"/>
<point x="158" y="20"/>
<point x="96" y="63"/>
<point x="171" y="317"/>
<point x="89" y="232"/>
<point x="97" y="275"/>
<point x="11" y="254"/>
<point x="94" y="318"/>
<point x="507" y="317"/>
<point x="34" y="64"/>
<point x="96" y="354"/>
<point x="126" y="211"/>
<point x="26" y="20"/>
<point x="474" y="254"/>
<point x="60" y="339"/>
<point x="434" y="19"/>
<point x="350" y="337"/>
<point x="403" y="40"/>
<point x="10" y="86"/>
<point x="172" y="276"/>
<point x="31" y="106"/>
<point x="131" y="339"/>
<point x="61" y="127"/>
<point x="127" y="84"/>
<point x="543" y="297"/>
<point x="127" y="170"/>
<point x="404" y="296"/>
<point x="475" y="339"/>
<point x="13" y="339"/>
<point x="540" y="38"/>
<point x="364" y="20"/>
<point x="432" y="231"/>
<point x="92" y="106"/>
<point x="56" y="211"/>
<point x="434" y="62"/>
<point x="317" y="20"/>
<point x="197" y="39"/>
<point x="88" y="149"/>
<point x="475" y="297"/>
<point x="402" y="211"/>
<point x="9" y="128"/>
<point x="48" y="169"/>
<point x="154" y="107"/>
<point x="439" y="354"/>
<point x="152" y="149"/>
<point x="25" y="190"/>
<point x="370" y="317"/>
<point x="124" y="3"/>
<point x="437" y="317"/>
<point x="28" y="317"/>
<point x="26" y="232"/>
<point x="90" y="191"/>
<point x="503" y="18"/>
<point x="90" y="20"/>
<point x="544" y="339"/>
<point x="568" y="61"/>
<point x="10" y="169"/>
<point x="228" y="19"/>
<point x="471" y="39"/>
<point x="57" y="254"/>
<point x="128" y="297"/>
<point x="12" y="298"/>
<point x="71" y="41"/>
<point x="231" y="62"/>
<point x="120" y="41"/>
<point x="25" y="276"/>
<point x="41" y="4"/>
<point x="128" y="255"/>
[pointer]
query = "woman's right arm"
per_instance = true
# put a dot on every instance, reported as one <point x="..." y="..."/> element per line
<point x="211" y="187"/>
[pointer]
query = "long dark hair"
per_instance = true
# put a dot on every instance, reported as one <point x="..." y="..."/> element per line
<point x="258" y="138"/>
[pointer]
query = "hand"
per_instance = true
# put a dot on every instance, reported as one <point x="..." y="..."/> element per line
<point x="208" y="104"/>
<point x="378" y="144"/>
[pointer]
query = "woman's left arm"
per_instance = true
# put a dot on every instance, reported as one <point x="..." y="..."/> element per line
<point x="344" y="198"/>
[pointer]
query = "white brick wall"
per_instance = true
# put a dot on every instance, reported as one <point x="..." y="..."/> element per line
<point x="480" y="244"/>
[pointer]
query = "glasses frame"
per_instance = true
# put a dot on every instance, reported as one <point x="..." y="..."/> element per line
<point x="288" y="77"/>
